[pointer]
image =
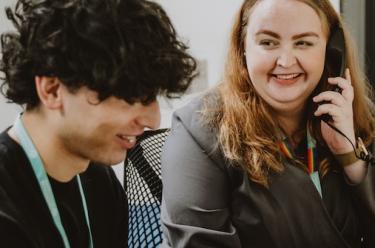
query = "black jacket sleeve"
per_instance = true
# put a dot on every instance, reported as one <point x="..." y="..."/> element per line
<point x="364" y="199"/>
<point x="195" y="210"/>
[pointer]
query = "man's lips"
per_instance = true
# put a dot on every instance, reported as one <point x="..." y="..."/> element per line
<point x="127" y="141"/>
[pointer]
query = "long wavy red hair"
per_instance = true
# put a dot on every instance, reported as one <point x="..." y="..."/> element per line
<point x="247" y="132"/>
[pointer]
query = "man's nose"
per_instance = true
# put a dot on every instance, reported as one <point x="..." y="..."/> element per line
<point x="150" y="116"/>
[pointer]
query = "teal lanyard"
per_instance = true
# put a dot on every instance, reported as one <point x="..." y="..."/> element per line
<point x="45" y="186"/>
<point x="286" y="149"/>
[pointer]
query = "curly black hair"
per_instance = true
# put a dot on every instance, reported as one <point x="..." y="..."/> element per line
<point x="123" y="48"/>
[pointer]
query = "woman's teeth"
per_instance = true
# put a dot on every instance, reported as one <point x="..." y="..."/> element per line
<point x="287" y="76"/>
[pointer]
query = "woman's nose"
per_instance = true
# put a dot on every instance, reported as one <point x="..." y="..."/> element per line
<point x="286" y="59"/>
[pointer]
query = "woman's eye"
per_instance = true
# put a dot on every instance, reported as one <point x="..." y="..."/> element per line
<point x="268" y="43"/>
<point x="303" y="43"/>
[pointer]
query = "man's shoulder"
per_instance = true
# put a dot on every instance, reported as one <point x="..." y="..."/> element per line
<point x="8" y="188"/>
<point x="10" y="155"/>
<point x="8" y="175"/>
<point x="5" y="154"/>
<point x="4" y="144"/>
<point x="7" y="146"/>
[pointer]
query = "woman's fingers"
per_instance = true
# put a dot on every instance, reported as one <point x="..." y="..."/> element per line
<point x="331" y="109"/>
<point x="344" y="84"/>
<point x="330" y="97"/>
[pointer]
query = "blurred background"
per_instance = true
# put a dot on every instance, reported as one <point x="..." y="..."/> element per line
<point x="204" y="25"/>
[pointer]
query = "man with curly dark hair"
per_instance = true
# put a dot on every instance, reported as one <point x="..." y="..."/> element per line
<point x="87" y="73"/>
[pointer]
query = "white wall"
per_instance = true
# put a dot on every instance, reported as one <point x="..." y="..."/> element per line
<point x="205" y="26"/>
<point x="336" y="4"/>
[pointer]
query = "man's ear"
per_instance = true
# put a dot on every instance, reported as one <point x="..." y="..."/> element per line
<point x="49" y="90"/>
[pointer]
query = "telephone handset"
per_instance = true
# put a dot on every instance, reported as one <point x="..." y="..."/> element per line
<point x="336" y="65"/>
<point x="335" y="60"/>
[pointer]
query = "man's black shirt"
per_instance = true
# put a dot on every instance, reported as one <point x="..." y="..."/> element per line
<point x="25" y="220"/>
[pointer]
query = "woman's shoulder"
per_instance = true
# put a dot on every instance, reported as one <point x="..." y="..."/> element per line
<point x="196" y="114"/>
<point x="191" y="126"/>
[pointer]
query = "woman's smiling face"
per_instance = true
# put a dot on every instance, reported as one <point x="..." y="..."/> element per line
<point x="285" y="52"/>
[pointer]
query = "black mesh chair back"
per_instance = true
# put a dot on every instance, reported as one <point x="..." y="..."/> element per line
<point x="144" y="188"/>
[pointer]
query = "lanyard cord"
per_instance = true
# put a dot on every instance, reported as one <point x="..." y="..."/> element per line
<point x="45" y="186"/>
<point x="287" y="150"/>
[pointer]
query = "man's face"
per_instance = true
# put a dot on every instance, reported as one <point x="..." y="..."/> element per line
<point x="102" y="131"/>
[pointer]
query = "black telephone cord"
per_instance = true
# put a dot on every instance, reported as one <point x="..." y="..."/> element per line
<point x="360" y="155"/>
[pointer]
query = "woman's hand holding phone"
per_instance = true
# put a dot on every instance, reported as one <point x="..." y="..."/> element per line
<point x="340" y="108"/>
